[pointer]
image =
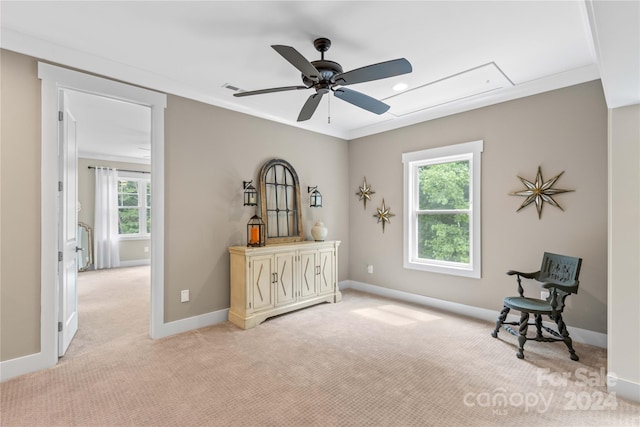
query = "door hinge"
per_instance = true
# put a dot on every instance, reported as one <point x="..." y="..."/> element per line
<point x="59" y="326"/>
<point x="60" y="186"/>
<point x="59" y="255"/>
<point x="60" y="116"/>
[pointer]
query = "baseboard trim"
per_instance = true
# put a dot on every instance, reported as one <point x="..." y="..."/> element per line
<point x="622" y="388"/>
<point x="135" y="262"/>
<point x="36" y="362"/>
<point x="31" y="363"/>
<point x="191" y="323"/>
<point x="584" y="336"/>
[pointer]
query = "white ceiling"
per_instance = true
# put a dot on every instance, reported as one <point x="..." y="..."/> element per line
<point x="464" y="55"/>
<point x="110" y="129"/>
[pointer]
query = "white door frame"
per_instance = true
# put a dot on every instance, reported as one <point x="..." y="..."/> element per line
<point x="53" y="79"/>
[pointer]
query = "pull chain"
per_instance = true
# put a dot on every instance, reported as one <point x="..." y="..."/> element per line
<point x="329" y="105"/>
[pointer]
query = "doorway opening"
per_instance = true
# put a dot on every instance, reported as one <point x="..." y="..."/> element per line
<point x="113" y="140"/>
<point x="55" y="81"/>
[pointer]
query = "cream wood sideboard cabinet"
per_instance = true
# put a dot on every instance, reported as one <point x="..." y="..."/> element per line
<point x="275" y="279"/>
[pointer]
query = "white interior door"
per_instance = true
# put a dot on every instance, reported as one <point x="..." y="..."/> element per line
<point x="68" y="227"/>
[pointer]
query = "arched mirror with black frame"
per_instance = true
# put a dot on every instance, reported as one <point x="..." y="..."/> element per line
<point x="280" y="202"/>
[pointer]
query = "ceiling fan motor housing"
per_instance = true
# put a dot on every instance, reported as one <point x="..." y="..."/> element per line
<point x="327" y="69"/>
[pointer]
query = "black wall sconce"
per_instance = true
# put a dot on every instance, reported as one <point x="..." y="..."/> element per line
<point x="315" y="198"/>
<point x="250" y="194"/>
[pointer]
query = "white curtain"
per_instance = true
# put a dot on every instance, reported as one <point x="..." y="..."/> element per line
<point x="106" y="239"/>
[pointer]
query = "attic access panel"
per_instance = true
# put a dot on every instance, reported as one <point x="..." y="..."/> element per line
<point x="476" y="81"/>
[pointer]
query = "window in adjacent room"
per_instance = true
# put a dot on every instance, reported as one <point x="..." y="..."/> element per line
<point x="134" y="207"/>
<point x="442" y="209"/>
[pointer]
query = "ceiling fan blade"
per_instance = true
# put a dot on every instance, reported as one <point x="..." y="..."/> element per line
<point x="275" y="89"/>
<point x="381" y="70"/>
<point x="309" y="107"/>
<point x="297" y="60"/>
<point x="361" y="100"/>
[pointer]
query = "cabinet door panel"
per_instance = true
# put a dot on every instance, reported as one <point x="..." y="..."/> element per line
<point x="326" y="271"/>
<point x="261" y="282"/>
<point x="285" y="278"/>
<point x="309" y="273"/>
<point x="272" y="280"/>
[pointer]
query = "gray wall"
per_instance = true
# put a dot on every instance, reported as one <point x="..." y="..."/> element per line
<point x="624" y="245"/>
<point x="210" y="151"/>
<point x="563" y="130"/>
<point x="19" y="206"/>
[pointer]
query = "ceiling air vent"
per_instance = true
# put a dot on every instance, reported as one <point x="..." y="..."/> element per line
<point x="231" y="87"/>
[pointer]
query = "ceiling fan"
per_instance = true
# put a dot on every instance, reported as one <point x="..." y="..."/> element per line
<point x="327" y="76"/>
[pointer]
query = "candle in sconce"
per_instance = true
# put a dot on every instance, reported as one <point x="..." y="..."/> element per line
<point x="255" y="234"/>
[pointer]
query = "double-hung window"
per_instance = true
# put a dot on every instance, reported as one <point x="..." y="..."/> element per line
<point x="134" y="207"/>
<point x="442" y="209"/>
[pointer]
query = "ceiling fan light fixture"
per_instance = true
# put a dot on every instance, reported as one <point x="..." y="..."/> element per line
<point x="399" y="87"/>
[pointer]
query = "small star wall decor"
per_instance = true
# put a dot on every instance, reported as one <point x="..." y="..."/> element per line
<point x="539" y="191"/>
<point x="384" y="215"/>
<point x="365" y="192"/>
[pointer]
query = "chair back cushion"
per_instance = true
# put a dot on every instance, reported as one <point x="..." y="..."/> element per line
<point x="560" y="269"/>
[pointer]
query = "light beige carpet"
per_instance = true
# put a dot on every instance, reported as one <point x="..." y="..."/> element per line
<point x="113" y="305"/>
<point x="366" y="361"/>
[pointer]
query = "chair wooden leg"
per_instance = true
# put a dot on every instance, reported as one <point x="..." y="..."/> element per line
<point x="562" y="328"/>
<point x="501" y="318"/>
<point x="522" y="338"/>
<point x="539" y="325"/>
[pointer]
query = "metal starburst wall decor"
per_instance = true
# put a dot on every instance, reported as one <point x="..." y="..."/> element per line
<point x="539" y="191"/>
<point x="384" y="215"/>
<point x="365" y="192"/>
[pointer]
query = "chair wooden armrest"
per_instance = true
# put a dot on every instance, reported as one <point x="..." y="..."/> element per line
<point x="569" y="289"/>
<point x="559" y="292"/>
<point x="520" y="274"/>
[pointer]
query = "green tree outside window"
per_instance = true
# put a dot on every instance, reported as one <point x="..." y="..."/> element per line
<point x="443" y="212"/>
<point x="134" y="206"/>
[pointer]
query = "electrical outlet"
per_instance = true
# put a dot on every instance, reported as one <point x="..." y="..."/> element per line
<point x="370" y="269"/>
<point x="184" y="295"/>
<point x="146" y="249"/>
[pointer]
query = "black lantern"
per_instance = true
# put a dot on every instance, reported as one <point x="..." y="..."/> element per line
<point x="315" y="198"/>
<point x="255" y="231"/>
<point x="250" y="194"/>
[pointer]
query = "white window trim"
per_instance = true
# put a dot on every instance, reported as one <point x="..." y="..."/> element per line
<point x="412" y="160"/>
